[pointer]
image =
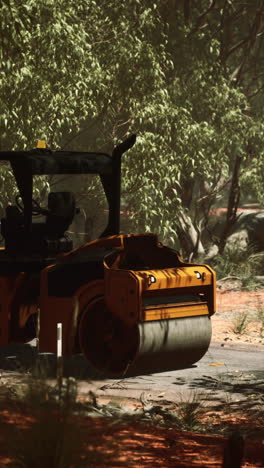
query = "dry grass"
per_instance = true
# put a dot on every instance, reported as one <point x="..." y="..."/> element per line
<point x="49" y="441"/>
<point x="260" y="317"/>
<point x="240" y="324"/>
<point x="54" y="437"/>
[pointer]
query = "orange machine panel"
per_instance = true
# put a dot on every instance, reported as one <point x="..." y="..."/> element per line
<point x="145" y="271"/>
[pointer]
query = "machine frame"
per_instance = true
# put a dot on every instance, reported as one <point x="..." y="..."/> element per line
<point x="127" y="302"/>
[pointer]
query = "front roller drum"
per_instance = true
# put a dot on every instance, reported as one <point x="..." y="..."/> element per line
<point x="156" y="346"/>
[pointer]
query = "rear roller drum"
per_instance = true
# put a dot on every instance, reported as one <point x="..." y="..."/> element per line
<point x="105" y="342"/>
<point x="155" y="346"/>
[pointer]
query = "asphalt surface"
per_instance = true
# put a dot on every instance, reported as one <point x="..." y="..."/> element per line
<point x="224" y="374"/>
<point x="220" y="375"/>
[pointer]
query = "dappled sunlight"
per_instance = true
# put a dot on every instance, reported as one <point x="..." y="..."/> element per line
<point x="111" y="442"/>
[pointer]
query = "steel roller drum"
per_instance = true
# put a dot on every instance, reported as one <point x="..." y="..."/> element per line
<point x="148" y="347"/>
<point x="171" y="344"/>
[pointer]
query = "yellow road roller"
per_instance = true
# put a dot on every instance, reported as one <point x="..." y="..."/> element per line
<point x="128" y="303"/>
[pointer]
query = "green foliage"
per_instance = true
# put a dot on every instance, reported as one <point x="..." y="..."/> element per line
<point x="260" y="317"/>
<point x="7" y="185"/>
<point x="189" y="141"/>
<point x="47" y="72"/>
<point x="49" y="440"/>
<point x="90" y="199"/>
<point x="240" y="324"/>
<point x="83" y="75"/>
<point x="240" y="262"/>
<point x="252" y="177"/>
<point x="190" y="412"/>
<point x="9" y="189"/>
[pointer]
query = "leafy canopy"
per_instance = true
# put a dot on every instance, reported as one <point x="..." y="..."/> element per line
<point x="85" y="74"/>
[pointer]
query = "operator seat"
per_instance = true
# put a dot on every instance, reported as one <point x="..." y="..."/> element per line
<point x="61" y="211"/>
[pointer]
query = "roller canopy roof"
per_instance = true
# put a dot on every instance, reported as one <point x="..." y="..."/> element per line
<point x="41" y="161"/>
<point x="26" y="164"/>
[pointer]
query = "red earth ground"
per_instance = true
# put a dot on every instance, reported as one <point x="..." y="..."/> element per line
<point x="113" y="444"/>
<point x="232" y="305"/>
<point x="132" y="444"/>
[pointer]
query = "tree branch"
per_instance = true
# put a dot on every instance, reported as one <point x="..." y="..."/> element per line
<point x="236" y="46"/>
<point x="236" y="75"/>
<point x="85" y="129"/>
<point x="201" y="18"/>
<point x="250" y="96"/>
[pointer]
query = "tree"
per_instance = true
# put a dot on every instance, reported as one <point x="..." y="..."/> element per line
<point x="214" y="131"/>
<point x="235" y="29"/>
<point x="49" y="79"/>
<point x="85" y="75"/>
<point x="229" y="130"/>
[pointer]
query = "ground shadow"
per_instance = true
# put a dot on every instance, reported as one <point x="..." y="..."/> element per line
<point x="246" y="384"/>
<point x="102" y="443"/>
<point x="25" y="358"/>
<point x="237" y="394"/>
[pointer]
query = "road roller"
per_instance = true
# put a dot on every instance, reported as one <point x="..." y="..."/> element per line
<point x="128" y="303"/>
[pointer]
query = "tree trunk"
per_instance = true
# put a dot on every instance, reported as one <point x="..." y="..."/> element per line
<point x="233" y="202"/>
<point x="189" y="237"/>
